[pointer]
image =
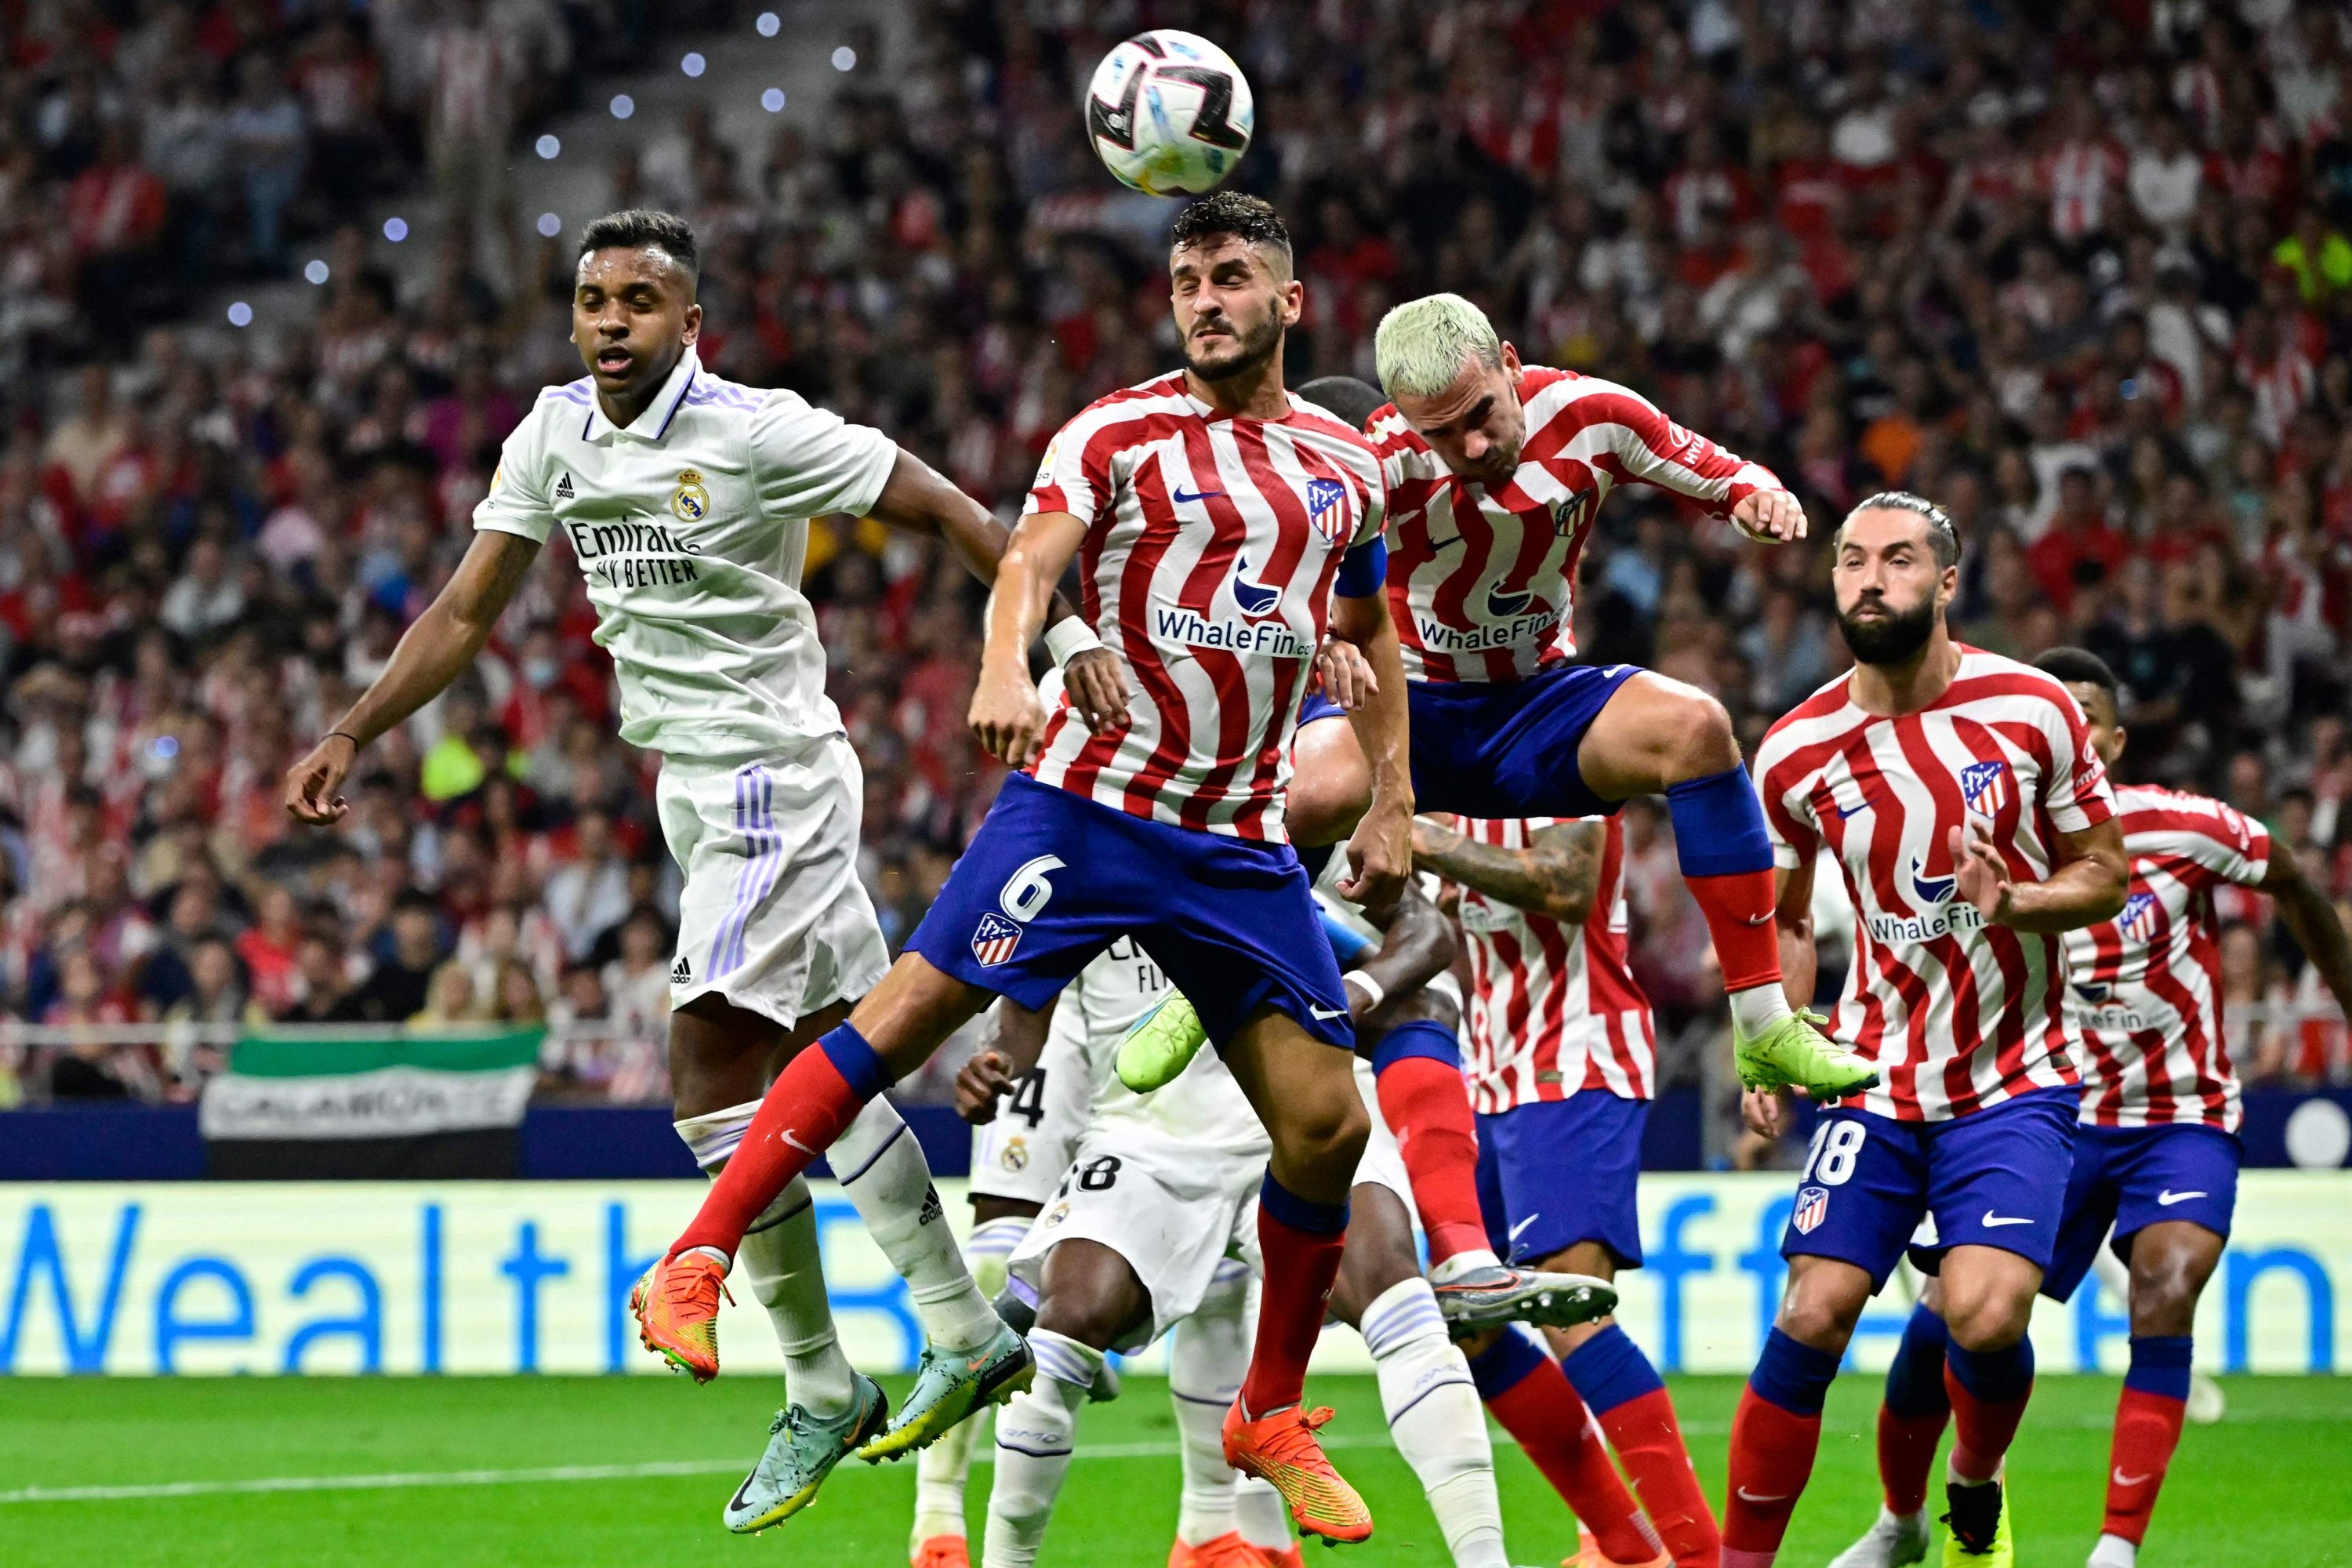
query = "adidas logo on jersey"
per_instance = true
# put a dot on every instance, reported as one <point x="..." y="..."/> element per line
<point x="563" y="487"/>
<point x="681" y="973"/>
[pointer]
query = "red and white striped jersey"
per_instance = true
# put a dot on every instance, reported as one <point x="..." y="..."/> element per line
<point x="1212" y="546"/>
<point x="1480" y="579"/>
<point x="1554" y="1008"/>
<point x="2146" y="986"/>
<point x="1956" y="1014"/>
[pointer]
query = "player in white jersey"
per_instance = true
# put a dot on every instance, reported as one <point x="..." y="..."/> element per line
<point x="685" y="499"/>
<point x="2156" y="1151"/>
<point x="1972" y="820"/>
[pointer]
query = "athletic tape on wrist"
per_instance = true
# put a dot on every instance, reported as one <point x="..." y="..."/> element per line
<point x="1069" y="638"/>
<point x="1374" y="992"/>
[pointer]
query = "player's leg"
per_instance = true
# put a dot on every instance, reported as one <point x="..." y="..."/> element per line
<point x="1427" y="1389"/>
<point x="1656" y="736"/>
<point x="1331" y="784"/>
<point x="1090" y="1300"/>
<point x="1912" y="1416"/>
<point x="943" y="1470"/>
<point x="1221" y="1520"/>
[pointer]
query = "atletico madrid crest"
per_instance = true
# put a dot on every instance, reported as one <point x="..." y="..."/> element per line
<point x="1812" y="1207"/>
<point x="2138" y="920"/>
<point x="1327" y="507"/>
<point x="993" y="940"/>
<point x="1984" y="787"/>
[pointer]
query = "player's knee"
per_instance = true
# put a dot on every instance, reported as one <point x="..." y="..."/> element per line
<point x="1824" y="1325"/>
<point x="1982" y="1319"/>
<point x="1698" y="739"/>
<point x="1094" y="1321"/>
<point x="1328" y="1135"/>
<point x="2164" y="1291"/>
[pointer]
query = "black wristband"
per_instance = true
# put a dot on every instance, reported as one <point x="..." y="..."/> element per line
<point x="347" y="735"/>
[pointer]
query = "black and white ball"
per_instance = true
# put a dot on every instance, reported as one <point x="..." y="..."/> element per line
<point x="1169" y="113"/>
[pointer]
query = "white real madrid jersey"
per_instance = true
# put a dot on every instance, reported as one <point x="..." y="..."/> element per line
<point x="691" y="526"/>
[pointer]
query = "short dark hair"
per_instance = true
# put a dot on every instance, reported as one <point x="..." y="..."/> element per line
<point x="1943" y="536"/>
<point x="1350" y="399"/>
<point x="1250" y="219"/>
<point x="638" y="228"/>
<point x="2080" y="667"/>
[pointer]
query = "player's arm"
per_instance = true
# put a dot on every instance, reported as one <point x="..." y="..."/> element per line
<point x="1017" y="1038"/>
<point x="919" y="499"/>
<point x="1007" y="718"/>
<point x="442" y="641"/>
<point x="1417" y="945"/>
<point x="1766" y="1109"/>
<point x="1380" y="852"/>
<point x="2311" y="919"/>
<point x="1557" y="874"/>
<point x="2086" y="885"/>
<point x="1653" y="448"/>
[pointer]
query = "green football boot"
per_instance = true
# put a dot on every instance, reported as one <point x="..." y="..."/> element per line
<point x="803" y="1452"/>
<point x="1162" y="1045"/>
<point x="950" y="1386"/>
<point x="1794" y="1054"/>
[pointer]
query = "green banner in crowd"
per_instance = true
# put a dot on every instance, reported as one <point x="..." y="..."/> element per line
<point x="368" y="1103"/>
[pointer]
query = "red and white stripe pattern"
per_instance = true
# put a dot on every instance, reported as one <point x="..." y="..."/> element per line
<point x="1211" y="543"/>
<point x="1958" y="1015"/>
<point x="2080" y="178"/>
<point x="1480" y="580"/>
<point x="2146" y="986"/>
<point x="1554" y="1007"/>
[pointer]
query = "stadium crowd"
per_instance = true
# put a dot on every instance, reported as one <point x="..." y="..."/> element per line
<point x="2086" y="282"/>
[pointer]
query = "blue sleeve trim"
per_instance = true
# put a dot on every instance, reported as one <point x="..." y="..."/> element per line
<point x="1364" y="570"/>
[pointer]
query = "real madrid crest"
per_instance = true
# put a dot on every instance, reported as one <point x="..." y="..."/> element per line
<point x="691" y="501"/>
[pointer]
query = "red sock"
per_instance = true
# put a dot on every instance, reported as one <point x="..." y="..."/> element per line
<point x="1982" y="1430"/>
<point x="801" y="1115"/>
<point x="1544" y="1414"/>
<point x="1738" y="910"/>
<point x="1427" y="1106"/>
<point x="1649" y="1443"/>
<point x="2147" y="1428"/>
<point x="1906" y="1457"/>
<point x="1771" y="1459"/>
<point x="1302" y="1259"/>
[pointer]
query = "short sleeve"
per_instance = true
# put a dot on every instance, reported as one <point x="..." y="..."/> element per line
<point x="2076" y="790"/>
<point x="811" y="462"/>
<point x="2234" y="849"/>
<point x="1795" y="836"/>
<point x="1651" y="448"/>
<point x="1074" y="475"/>
<point x="517" y="502"/>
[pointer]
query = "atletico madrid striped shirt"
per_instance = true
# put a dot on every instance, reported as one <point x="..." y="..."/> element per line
<point x="1958" y="1015"/>
<point x="1554" y="1007"/>
<point x="2146" y="986"/>
<point x="1211" y="551"/>
<point x="1480" y="580"/>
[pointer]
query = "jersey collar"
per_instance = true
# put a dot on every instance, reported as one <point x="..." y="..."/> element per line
<point x="652" y="422"/>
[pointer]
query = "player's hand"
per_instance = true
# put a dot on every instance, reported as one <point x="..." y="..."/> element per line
<point x="1765" y="1111"/>
<point x="311" y="784"/>
<point x="1344" y="673"/>
<point x="1981" y="874"/>
<point x="982" y="1082"/>
<point x="1769" y="514"/>
<point x="1007" y="719"/>
<point x="1096" y="683"/>
<point x="1380" y="861"/>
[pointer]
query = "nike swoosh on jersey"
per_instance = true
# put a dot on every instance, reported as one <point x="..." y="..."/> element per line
<point x="2168" y="1197"/>
<point x="1845" y="810"/>
<point x="1438" y="544"/>
<point x="1180" y="496"/>
<point x="1994" y="1222"/>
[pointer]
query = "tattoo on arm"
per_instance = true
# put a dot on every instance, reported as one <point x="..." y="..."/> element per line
<point x="1557" y="875"/>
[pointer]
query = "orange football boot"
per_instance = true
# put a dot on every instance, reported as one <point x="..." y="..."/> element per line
<point x="1280" y="1449"/>
<point x="942" y="1551"/>
<point x="677" y="1308"/>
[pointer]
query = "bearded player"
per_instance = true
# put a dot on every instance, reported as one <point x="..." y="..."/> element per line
<point x="1970" y="815"/>
<point x="1220" y="530"/>
<point x="685" y="499"/>
<point x="2156" y="1148"/>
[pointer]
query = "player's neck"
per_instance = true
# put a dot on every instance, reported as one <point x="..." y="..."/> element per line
<point x="1891" y="689"/>
<point x="623" y="409"/>
<point x="1253" y="395"/>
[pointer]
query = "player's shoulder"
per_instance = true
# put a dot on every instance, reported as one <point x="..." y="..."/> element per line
<point x="710" y="394"/>
<point x="1988" y="677"/>
<point x="568" y="402"/>
<point x="1316" y="422"/>
<point x="1827" y="713"/>
<point x="1138" y="412"/>
<point x="2148" y="812"/>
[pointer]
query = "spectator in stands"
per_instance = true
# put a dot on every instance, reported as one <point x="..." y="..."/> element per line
<point x="400" y="983"/>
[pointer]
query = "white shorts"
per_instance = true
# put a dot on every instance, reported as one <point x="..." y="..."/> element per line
<point x="1174" y="1210"/>
<point x="1021" y="1155"/>
<point x="773" y="917"/>
<point x="1383" y="1162"/>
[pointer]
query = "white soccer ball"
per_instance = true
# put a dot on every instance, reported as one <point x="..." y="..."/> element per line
<point x="1169" y="113"/>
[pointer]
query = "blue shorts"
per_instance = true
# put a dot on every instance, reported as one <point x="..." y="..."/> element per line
<point x="1052" y="878"/>
<point x="1507" y="748"/>
<point x="2133" y="1177"/>
<point x="1553" y="1173"/>
<point x="1315" y="705"/>
<point x="1993" y="1178"/>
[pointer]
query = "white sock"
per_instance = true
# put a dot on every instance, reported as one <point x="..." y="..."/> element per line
<point x="781" y="1264"/>
<point x="1208" y="1353"/>
<point x="1957" y="1479"/>
<point x="2114" y="1552"/>
<point x="882" y="1171"/>
<point x="942" y="1469"/>
<point x="1758" y="1008"/>
<point x="1263" y="1517"/>
<point x="1461" y="1263"/>
<point x="1035" y="1438"/>
<point x="1435" y="1419"/>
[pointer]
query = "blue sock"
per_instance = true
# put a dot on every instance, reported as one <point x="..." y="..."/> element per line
<point x="1505" y="1364"/>
<point x="1298" y="1213"/>
<point x="1994" y="1376"/>
<point x="1793" y="1376"/>
<point x="856" y="1061"/>
<point x="2159" y="1364"/>
<point x="1915" y="1381"/>
<point x="1718" y="825"/>
<point x="1609" y="1370"/>
<point x="1418" y="1037"/>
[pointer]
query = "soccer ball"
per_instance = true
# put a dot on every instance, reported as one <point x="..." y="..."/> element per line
<point x="1169" y="113"/>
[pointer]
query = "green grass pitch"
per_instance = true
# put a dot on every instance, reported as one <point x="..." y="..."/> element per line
<point x="460" y="1476"/>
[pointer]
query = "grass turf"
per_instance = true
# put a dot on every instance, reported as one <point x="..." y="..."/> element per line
<point x="2267" y="1487"/>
